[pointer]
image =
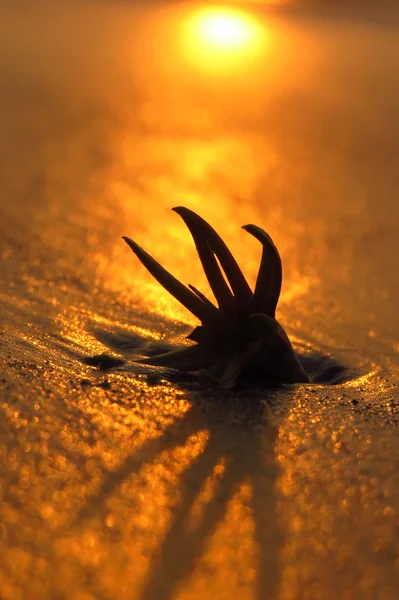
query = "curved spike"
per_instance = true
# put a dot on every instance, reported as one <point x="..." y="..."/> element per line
<point x="270" y="275"/>
<point x="219" y="287"/>
<point x="202" y="311"/>
<point x="215" y="246"/>
<point x="191" y="358"/>
<point x="201" y="295"/>
<point x="196" y="334"/>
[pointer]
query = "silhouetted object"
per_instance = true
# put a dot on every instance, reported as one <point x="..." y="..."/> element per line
<point x="242" y="335"/>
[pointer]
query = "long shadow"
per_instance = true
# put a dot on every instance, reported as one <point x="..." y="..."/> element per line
<point x="243" y="426"/>
<point x="243" y="438"/>
<point x="242" y="433"/>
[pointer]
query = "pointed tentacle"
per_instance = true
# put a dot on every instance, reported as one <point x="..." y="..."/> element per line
<point x="196" y="334"/>
<point x="191" y="358"/>
<point x="203" y="232"/>
<point x="268" y="283"/>
<point x="219" y="287"/>
<point x="202" y="311"/>
<point x="201" y="296"/>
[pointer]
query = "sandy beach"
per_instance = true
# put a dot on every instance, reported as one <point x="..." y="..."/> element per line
<point x="135" y="484"/>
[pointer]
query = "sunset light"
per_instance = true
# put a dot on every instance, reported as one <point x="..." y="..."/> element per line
<point x="219" y="37"/>
<point x="225" y="29"/>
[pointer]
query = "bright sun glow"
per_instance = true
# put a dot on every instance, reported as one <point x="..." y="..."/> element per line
<point x="220" y="37"/>
<point x="225" y="30"/>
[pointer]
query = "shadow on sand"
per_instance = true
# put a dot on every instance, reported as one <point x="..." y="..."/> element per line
<point x="242" y="434"/>
<point x="243" y="426"/>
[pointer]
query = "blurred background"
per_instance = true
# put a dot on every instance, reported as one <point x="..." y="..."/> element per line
<point x="283" y="115"/>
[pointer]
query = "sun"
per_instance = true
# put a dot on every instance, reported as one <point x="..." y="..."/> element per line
<point x="218" y="37"/>
<point x="226" y="29"/>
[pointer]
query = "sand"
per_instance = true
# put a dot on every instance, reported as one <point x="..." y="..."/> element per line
<point x="126" y="485"/>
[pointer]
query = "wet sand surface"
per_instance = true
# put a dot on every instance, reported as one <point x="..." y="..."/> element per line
<point x="127" y="485"/>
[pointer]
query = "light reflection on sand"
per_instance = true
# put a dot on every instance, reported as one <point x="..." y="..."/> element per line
<point x="310" y="519"/>
<point x="223" y="40"/>
<point x="200" y="174"/>
<point x="116" y="487"/>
